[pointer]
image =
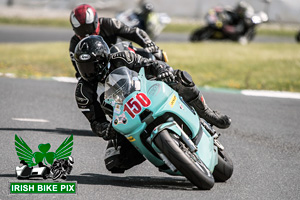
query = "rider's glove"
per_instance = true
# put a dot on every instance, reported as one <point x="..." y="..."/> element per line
<point x="104" y="130"/>
<point x="151" y="47"/>
<point x="161" y="55"/>
<point x="165" y="72"/>
<point x="110" y="133"/>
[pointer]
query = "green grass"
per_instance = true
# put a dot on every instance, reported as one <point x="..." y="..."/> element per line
<point x="278" y="31"/>
<point x="36" y="59"/>
<point x="187" y="27"/>
<point x="181" y="27"/>
<point x="231" y="65"/>
<point x="36" y="22"/>
<point x="225" y="65"/>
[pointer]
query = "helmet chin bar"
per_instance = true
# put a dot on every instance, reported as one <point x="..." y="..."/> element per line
<point x="103" y="74"/>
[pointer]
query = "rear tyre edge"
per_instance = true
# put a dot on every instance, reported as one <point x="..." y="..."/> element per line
<point x="224" y="169"/>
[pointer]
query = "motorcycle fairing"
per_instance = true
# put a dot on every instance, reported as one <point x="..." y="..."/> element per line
<point x="160" y="99"/>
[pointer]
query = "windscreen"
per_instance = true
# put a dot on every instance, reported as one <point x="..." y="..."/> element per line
<point x="120" y="83"/>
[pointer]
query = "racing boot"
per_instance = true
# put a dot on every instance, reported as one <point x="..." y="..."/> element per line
<point x="122" y="155"/>
<point x="212" y="117"/>
<point x="112" y="158"/>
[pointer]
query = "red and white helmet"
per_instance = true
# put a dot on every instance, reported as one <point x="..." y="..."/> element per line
<point x="85" y="21"/>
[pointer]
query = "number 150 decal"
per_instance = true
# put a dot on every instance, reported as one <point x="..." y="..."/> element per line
<point x="134" y="105"/>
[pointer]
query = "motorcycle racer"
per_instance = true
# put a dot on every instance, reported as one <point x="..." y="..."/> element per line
<point x="95" y="62"/>
<point x="85" y="21"/>
<point x="239" y="21"/>
<point x="61" y="168"/>
<point x="146" y="10"/>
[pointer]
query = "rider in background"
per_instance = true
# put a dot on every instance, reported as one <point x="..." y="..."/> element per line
<point x="85" y="21"/>
<point x="145" y="10"/>
<point x="239" y="21"/>
<point x="95" y="62"/>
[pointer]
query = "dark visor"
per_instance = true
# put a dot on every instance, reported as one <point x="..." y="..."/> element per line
<point x="85" y="29"/>
<point x="88" y="70"/>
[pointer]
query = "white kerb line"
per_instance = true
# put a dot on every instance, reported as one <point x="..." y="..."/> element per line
<point x="30" y="120"/>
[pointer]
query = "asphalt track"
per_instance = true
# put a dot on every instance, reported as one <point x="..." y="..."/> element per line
<point x="263" y="143"/>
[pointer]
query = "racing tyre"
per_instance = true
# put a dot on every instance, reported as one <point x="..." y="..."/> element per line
<point x="201" y="34"/>
<point x="224" y="168"/>
<point x="298" y="37"/>
<point x="250" y="34"/>
<point x="56" y="174"/>
<point x="184" y="161"/>
<point x="46" y="173"/>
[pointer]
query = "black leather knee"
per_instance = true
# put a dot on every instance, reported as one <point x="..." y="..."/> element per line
<point x="184" y="78"/>
<point x="185" y="86"/>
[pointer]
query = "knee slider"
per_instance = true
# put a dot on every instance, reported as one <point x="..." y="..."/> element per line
<point x="186" y="79"/>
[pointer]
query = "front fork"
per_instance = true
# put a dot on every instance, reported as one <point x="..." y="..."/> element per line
<point x="180" y="133"/>
<point x="213" y="133"/>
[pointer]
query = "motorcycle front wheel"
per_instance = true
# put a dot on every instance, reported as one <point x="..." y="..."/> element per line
<point x="190" y="166"/>
<point x="56" y="174"/>
<point x="201" y="34"/>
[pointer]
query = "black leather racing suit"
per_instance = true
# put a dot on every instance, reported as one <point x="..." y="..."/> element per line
<point x="110" y="30"/>
<point x="238" y="26"/>
<point x="89" y="98"/>
<point x="88" y="94"/>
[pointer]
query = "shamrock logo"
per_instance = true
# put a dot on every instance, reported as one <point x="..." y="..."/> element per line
<point x="25" y="153"/>
<point x="44" y="155"/>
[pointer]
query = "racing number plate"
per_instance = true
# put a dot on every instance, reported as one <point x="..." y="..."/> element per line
<point x="134" y="105"/>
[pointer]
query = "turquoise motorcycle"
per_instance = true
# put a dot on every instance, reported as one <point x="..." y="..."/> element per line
<point x="164" y="129"/>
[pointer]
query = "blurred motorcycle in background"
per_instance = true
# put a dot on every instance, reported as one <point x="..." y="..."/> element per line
<point x="146" y="19"/>
<point x="298" y="36"/>
<point x="238" y="24"/>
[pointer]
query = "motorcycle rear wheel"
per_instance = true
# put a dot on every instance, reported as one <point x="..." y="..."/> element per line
<point x="298" y="37"/>
<point x="195" y="171"/>
<point x="224" y="168"/>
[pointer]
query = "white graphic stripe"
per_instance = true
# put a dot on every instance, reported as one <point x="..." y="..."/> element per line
<point x="84" y="109"/>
